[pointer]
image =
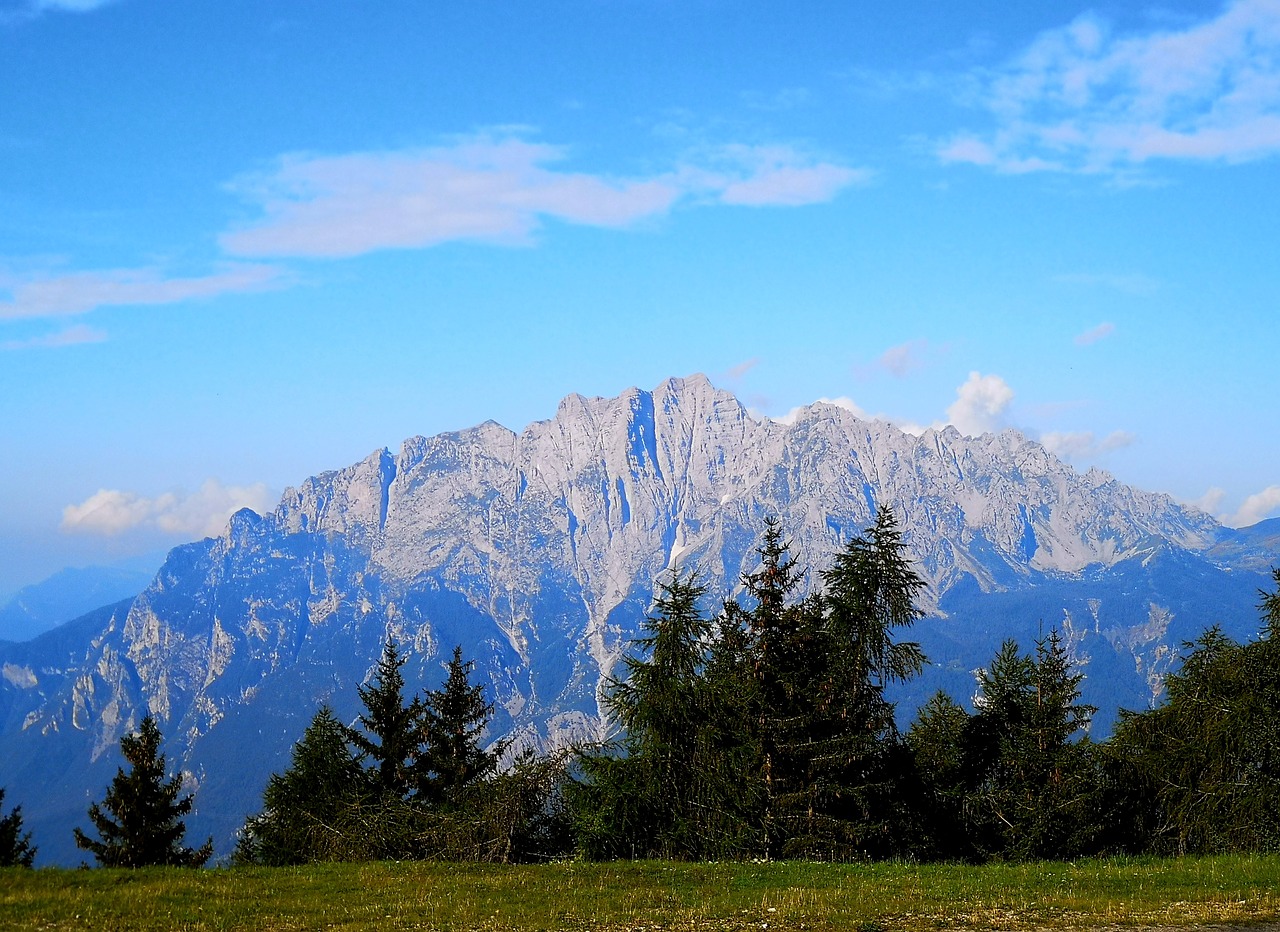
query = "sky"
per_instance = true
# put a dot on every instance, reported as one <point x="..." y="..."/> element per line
<point x="242" y="242"/>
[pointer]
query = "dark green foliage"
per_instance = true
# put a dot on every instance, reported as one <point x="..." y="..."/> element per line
<point x="16" y="849"/>
<point x="140" y="820"/>
<point x="938" y="740"/>
<point x="857" y="763"/>
<point x="303" y="807"/>
<point x="391" y="728"/>
<point x="453" y="719"/>
<point x="1208" y="759"/>
<point x="1033" y="793"/>
<point x="765" y="734"/>
<point x="647" y="802"/>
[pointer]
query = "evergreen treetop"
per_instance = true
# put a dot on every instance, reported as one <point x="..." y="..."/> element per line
<point x="140" y="820"/>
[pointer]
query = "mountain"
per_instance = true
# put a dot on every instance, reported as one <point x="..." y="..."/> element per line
<point x="537" y="552"/>
<point x="65" y="595"/>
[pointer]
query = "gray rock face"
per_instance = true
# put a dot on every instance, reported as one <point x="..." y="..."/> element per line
<point x="538" y="553"/>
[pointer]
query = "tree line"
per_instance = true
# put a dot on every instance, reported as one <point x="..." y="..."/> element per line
<point x="762" y="731"/>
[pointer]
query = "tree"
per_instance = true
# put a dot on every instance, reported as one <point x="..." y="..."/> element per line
<point x="452" y="721"/>
<point x="788" y="657"/>
<point x="1033" y="792"/>
<point x="645" y="802"/>
<point x="16" y="849"/>
<point x="858" y="760"/>
<point x="305" y="807"/>
<point x="139" y="822"/>
<point x="392" y="728"/>
<point x="1209" y="757"/>
<point x="937" y="743"/>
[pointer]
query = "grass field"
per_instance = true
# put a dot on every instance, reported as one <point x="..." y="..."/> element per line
<point x="651" y="896"/>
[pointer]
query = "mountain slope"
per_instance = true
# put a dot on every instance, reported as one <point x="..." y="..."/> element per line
<point x="537" y="552"/>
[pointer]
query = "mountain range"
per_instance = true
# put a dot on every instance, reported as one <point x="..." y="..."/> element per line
<point x="538" y="552"/>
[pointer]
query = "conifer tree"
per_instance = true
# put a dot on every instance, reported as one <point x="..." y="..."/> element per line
<point x="139" y="822"/>
<point x="391" y="732"/>
<point x="1209" y="757"/>
<point x="304" y="808"/>
<point x="453" y="719"/>
<point x="788" y="658"/>
<point x="645" y="802"/>
<point x="16" y="849"/>
<point x="859" y="763"/>
<point x="1033" y="789"/>
<point x="936" y="740"/>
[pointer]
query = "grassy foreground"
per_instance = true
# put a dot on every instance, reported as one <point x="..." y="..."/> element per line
<point x="651" y="896"/>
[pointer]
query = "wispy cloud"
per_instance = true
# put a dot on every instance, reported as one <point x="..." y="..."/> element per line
<point x="494" y="190"/>
<point x="74" y="6"/>
<point x="1083" y="99"/>
<point x="1095" y="334"/>
<point x="204" y="513"/>
<point x="842" y="402"/>
<point x="31" y="9"/>
<point x="1134" y="284"/>
<point x="73" y="293"/>
<point x="741" y="369"/>
<point x="1256" y="507"/>
<point x="71" y="336"/>
<point x="899" y="361"/>
<point x="1078" y="445"/>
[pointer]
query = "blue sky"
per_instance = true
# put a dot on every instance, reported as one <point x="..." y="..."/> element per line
<point x="244" y="242"/>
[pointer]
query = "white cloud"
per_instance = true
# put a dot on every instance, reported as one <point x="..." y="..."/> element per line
<point x="73" y="293"/>
<point x="75" y="6"/>
<point x="204" y="513"/>
<point x="494" y="190"/>
<point x="980" y="405"/>
<point x="779" y="176"/>
<point x="1081" y="98"/>
<point x="842" y="402"/>
<point x="1085" y="444"/>
<point x="1256" y="507"/>
<point x="1093" y="335"/>
<point x="71" y="336"/>
<point x="1210" y="501"/>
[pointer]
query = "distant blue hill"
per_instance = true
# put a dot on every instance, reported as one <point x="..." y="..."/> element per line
<point x="66" y="595"/>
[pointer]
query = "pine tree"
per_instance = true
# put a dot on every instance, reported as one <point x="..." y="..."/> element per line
<point x="1033" y="791"/>
<point x="1209" y="757"/>
<point x="859" y="763"/>
<point x="453" y="720"/>
<point x="788" y="658"/>
<point x="645" y="803"/>
<point x="16" y="849"/>
<point x="305" y="807"/>
<point x="391" y="733"/>
<point x="140" y="820"/>
<point x="936" y="740"/>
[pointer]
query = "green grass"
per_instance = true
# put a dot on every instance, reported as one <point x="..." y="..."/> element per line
<point x="776" y="897"/>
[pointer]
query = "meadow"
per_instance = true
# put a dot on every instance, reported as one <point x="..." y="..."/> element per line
<point x="573" y="895"/>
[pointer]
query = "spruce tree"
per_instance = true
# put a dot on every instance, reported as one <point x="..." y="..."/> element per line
<point x="858" y="760"/>
<point x="453" y="719"/>
<point x="139" y="822"/>
<point x="1033" y="790"/>
<point x="1209" y="757"/>
<point x="391" y="733"/>
<point x="788" y="657"/>
<point x="645" y="803"/>
<point x="305" y="808"/>
<point x="16" y="849"/>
